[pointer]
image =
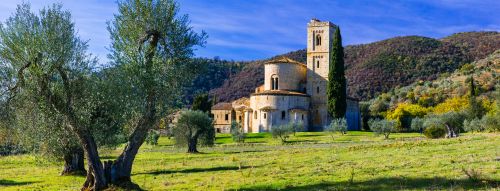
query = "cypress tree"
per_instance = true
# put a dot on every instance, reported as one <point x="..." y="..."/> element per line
<point x="336" y="88"/>
<point x="202" y="103"/>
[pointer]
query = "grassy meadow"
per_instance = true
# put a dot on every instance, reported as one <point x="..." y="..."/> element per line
<point x="310" y="161"/>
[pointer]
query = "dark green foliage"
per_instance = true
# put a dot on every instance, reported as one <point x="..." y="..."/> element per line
<point x="336" y="87"/>
<point x="435" y="132"/>
<point x="364" y="108"/>
<point x="237" y="132"/>
<point x="202" y="103"/>
<point x="475" y="110"/>
<point x="210" y="74"/>
<point x="152" y="138"/>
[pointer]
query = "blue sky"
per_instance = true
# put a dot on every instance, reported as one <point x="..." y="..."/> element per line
<point x="256" y="29"/>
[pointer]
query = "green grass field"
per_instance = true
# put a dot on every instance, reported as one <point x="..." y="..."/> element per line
<point x="310" y="161"/>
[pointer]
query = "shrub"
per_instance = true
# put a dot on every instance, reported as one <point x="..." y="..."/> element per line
<point x="474" y="125"/>
<point x="237" y="132"/>
<point x="382" y="127"/>
<point x="296" y="127"/>
<point x="491" y="122"/>
<point x="282" y="132"/>
<point x="435" y="132"/>
<point x="417" y="124"/>
<point x="152" y="138"/>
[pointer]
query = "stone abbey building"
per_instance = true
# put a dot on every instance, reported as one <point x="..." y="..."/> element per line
<point x="292" y="91"/>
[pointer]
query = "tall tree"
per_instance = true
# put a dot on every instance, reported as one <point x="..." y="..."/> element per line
<point x="336" y="88"/>
<point x="52" y="66"/>
<point x="202" y="103"/>
<point x="152" y="45"/>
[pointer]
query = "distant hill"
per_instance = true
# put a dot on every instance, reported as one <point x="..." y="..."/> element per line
<point x="485" y="72"/>
<point x="381" y="66"/>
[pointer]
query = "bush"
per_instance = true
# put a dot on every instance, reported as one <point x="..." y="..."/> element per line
<point x="337" y="125"/>
<point x="492" y="123"/>
<point x="452" y="122"/>
<point x="237" y="132"/>
<point x="296" y="127"/>
<point x="417" y="125"/>
<point x="435" y="132"/>
<point x="282" y="132"/>
<point x="474" y="125"/>
<point x="152" y="138"/>
<point x="382" y="127"/>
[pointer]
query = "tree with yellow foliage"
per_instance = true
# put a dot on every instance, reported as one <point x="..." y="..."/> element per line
<point x="404" y="113"/>
<point x="452" y="104"/>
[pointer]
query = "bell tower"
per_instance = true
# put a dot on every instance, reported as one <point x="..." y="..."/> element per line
<point x="319" y="40"/>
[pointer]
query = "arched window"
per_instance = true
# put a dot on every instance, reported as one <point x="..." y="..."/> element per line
<point x="318" y="40"/>
<point x="283" y="115"/>
<point x="274" y="82"/>
<point x="317" y="64"/>
<point x="265" y="116"/>
<point x="317" y="89"/>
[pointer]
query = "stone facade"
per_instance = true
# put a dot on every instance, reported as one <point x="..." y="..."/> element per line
<point x="223" y="115"/>
<point x="292" y="92"/>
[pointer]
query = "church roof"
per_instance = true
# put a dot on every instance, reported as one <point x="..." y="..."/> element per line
<point x="285" y="60"/>
<point x="280" y="92"/>
<point x="241" y="104"/>
<point x="222" y="106"/>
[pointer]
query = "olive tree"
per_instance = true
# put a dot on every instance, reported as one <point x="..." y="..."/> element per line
<point x="382" y="127"/>
<point x="237" y="132"/>
<point x="282" y="132"/>
<point x="51" y="66"/>
<point x="192" y="127"/>
<point x="152" y="45"/>
<point x="417" y="124"/>
<point x="337" y="125"/>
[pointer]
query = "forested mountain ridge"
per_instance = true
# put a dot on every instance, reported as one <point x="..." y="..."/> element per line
<point x="381" y="66"/>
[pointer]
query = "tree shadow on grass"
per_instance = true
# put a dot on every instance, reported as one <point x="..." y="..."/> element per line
<point x="238" y="152"/>
<point x="14" y="183"/>
<point x="391" y="183"/>
<point x="291" y="142"/>
<point x="195" y="170"/>
<point x="309" y="135"/>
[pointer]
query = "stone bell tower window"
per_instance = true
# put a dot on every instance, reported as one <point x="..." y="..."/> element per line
<point x="274" y="82"/>
<point x="318" y="40"/>
<point x="317" y="64"/>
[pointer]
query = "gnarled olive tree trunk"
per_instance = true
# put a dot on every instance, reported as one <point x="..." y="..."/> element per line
<point x="120" y="169"/>
<point x="192" y="145"/>
<point x="73" y="162"/>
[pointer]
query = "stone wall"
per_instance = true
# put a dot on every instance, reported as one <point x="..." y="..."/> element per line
<point x="222" y="120"/>
<point x="290" y="75"/>
<point x="268" y="111"/>
<point x="318" y="61"/>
